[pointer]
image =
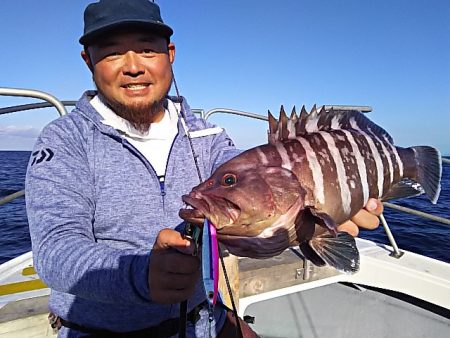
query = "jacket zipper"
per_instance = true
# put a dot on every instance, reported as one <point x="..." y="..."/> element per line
<point x="149" y="167"/>
<point x="129" y="146"/>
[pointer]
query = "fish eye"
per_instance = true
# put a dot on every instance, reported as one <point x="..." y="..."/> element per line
<point x="229" y="180"/>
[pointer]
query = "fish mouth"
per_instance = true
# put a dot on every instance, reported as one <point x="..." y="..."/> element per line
<point x="220" y="211"/>
<point x="198" y="211"/>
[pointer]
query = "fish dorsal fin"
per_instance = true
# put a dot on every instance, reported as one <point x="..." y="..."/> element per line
<point x="320" y="120"/>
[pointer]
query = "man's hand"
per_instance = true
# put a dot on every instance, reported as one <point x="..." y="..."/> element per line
<point x="173" y="271"/>
<point x="366" y="218"/>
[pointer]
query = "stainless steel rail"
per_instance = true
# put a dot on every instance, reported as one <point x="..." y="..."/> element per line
<point x="51" y="102"/>
<point x="364" y="109"/>
<point x="235" y="112"/>
<point x="439" y="219"/>
<point x="29" y="106"/>
<point x="35" y="94"/>
<point x="11" y="197"/>
<point x="397" y="253"/>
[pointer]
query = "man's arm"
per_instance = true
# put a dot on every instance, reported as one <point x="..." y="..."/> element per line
<point x="222" y="150"/>
<point x="60" y="200"/>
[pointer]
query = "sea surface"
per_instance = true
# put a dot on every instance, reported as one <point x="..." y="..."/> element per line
<point x="412" y="233"/>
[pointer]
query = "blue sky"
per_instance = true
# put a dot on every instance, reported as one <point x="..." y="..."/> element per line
<point x="254" y="56"/>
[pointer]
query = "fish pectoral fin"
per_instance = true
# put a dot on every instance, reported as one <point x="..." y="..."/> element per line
<point x="323" y="219"/>
<point x="340" y="252"/>
<point x="310" y="254"/>
<point x="404" y="188"/>
<point x="337" y="249"/>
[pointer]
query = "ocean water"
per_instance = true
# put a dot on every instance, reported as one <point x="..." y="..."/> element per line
<point x="14" y="235"/>
<point x="412" y="233"/>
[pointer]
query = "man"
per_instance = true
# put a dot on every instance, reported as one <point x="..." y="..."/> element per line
<point x="103" y="210"/>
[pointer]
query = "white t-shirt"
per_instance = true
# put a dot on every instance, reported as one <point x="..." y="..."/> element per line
<point x="156" y="143"/>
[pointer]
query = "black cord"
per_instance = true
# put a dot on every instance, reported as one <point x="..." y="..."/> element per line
<point x="182" y="305"/>
<point x="183" y="117"/>
<point x="183" y="319"/>
<point x="233" y="305"/>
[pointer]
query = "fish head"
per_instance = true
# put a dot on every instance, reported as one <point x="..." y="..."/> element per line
<point x="242" y="199"/>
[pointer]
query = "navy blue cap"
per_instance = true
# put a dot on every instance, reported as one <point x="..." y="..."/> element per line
<point x="105" y="15"/>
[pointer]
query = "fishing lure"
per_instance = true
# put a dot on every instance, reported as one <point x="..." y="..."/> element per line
<point x="210" y="263"/>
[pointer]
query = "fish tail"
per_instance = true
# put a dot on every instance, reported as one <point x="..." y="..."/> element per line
<point x="429" y="170"/>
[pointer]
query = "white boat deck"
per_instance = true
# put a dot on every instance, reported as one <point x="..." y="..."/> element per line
<point x="338" y="310"/>
<point x="388" y="297"/>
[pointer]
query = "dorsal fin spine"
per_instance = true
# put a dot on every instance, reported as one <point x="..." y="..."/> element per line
<point x="320" y="120"/>
<point x="273" y="128"/>
<point x="293" y="114"/>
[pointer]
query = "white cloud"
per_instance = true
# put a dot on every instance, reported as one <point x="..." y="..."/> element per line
<point x="19" y="131"/>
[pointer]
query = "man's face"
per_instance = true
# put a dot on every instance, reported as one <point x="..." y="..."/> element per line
<point x="133" y="73"/>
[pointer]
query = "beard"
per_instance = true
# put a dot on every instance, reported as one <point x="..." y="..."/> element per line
<point x="140" y="115"/>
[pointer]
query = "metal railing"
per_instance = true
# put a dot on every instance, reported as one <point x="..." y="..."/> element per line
<point x="29" y="106"/>
<point x="54" y="102"/>
<point x="60" y="106"/>
<point x="364" y="109"/>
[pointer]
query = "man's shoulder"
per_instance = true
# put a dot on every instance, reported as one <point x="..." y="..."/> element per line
<point x="67" y="124"/>
<point x="76" y="124"/>
<point x="82" y="114"/>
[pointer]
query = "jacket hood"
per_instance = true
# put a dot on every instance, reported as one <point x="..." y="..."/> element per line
<point x="84" y="108"/>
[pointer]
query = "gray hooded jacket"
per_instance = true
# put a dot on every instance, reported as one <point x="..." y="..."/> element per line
<point x="95" y="207"/>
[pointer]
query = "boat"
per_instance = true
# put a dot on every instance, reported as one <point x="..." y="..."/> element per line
<point x="396" y="293"/>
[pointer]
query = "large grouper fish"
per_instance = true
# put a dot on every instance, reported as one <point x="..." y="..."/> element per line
<point x="317" y="171"/>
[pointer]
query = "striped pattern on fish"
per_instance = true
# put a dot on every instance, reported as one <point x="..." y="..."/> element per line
<point x="361" y="151"/>
<point x="339" y="169"/>
<point x="317" y="171"/>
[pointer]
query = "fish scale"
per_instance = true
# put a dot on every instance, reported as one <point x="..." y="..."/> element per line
<point x="317" y="171"/>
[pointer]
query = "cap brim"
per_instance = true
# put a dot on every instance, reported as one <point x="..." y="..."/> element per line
<point x="156" y="27"/>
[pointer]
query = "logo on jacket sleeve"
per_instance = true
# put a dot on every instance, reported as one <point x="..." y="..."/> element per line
<point x="40" y="156"/>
